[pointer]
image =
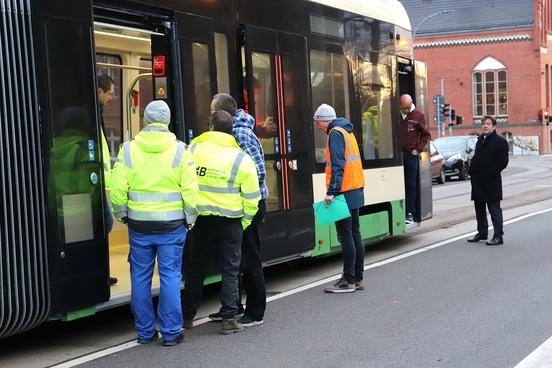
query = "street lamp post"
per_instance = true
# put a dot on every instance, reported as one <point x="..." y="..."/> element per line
<point x="445" y="11"/>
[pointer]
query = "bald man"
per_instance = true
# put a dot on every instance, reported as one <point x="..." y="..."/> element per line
<point x="414" y="138"/>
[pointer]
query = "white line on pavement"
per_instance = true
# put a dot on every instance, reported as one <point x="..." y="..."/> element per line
<point x="541" y="357"/>
<point x="547" y="350"/>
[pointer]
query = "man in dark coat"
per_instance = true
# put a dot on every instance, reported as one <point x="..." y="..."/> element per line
<point x="490" y="158"/>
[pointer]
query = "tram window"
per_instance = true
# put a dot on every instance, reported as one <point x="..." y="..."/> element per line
<point x="326" y="26"/>
<point x="113" y="111"/>
<point x="221" y="57"/>
<point x="263" y="90"/>
<point x="202" y="84"/>
<point x="375" y="100"/>
<point x="329" y="84"/>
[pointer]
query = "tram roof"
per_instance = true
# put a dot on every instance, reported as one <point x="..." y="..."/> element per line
<point x="391" y="11"/>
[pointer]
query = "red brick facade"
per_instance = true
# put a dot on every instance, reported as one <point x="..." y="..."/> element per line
<point x="528" y="61"/>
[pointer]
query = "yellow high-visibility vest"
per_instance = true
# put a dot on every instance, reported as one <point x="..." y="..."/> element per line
<point x="226" y="176"/>
<point x="154" y="178"/>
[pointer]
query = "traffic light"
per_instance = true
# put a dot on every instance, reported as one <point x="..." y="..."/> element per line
<point x="459" y="119"/>
<point x="452" y="114"/>
<point x="446" y="109"/>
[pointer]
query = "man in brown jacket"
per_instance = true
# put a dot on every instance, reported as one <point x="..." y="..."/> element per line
<point x="414" y="138"/>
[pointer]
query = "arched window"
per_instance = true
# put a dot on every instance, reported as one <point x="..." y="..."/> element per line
<point x="490" y="89"/>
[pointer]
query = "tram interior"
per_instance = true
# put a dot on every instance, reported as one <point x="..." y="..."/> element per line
<point x="124" y="54"/>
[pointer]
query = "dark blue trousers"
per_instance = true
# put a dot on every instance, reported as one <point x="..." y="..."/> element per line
<point x="411" y="163"/>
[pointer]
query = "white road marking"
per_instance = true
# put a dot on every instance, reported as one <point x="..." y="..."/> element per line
<point x="541" y="357"/>
<point x="535" y="359"/>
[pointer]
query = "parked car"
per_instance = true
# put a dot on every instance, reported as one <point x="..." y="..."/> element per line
<point x="437" y="164"/>
<point x="457" y="152"/>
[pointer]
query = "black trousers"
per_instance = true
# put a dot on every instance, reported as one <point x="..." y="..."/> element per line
<point x="252" y="269"/>
<point x="496" y="217"/>
<point x="222" y="235"/>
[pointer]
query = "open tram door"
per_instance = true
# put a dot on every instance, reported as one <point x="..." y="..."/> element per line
<point x="274" y="69"/>
<point x="137" y="51"/>
<point x="412" y="80"/>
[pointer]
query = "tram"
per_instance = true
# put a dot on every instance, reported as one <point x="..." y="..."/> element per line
<point x="279" y="58"/>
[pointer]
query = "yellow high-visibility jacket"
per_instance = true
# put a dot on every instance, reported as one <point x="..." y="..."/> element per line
<point x="154" y="179"/>
<point x="106" y="158"/>
<point x="227" y="178"/>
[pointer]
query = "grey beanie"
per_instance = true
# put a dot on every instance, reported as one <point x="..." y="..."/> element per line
<point x="325" y="112"/>
<point x="157" y="112"/>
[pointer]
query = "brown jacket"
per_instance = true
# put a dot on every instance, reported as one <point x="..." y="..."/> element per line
<point x="413" y="132"/>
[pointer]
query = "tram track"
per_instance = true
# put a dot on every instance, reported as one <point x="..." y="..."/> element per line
<point x="458" y="215"/>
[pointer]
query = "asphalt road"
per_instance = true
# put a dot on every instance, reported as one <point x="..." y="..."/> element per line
<point x="458" y="305"/>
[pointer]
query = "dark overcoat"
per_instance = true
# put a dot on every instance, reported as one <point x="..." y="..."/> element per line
<point x="489" y="159"/>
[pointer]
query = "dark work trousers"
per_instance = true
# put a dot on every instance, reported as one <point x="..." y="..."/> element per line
<point x="411" y="163"/>
<point x="252" y="268"/>
<point x="496" y="217"/>
<point x="223" y="235"/>
<point x="348" y="234"/>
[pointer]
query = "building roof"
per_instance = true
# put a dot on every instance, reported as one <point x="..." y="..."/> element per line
<point x="468" y="15"/>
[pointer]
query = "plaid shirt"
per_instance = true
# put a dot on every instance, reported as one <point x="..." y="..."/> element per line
<point x="248" y="141"/>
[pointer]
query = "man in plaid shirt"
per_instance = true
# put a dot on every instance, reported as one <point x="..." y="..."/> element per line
<point x="251" y="266"/>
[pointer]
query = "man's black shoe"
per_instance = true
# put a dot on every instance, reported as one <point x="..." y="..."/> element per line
<point x="477" y="238"/>
<point x="148" y="340"/>
<point x="175" y="341"/>
<point x="496" y="240"/>
<point x="112" y="281"/>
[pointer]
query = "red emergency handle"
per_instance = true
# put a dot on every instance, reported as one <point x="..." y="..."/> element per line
<point x="158" y="67"/>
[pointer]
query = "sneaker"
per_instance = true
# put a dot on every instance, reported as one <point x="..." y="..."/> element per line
<point x="409" y="219"/>
<point x="112" y="281"/>
<point x="359" y="285"/>
<point x="154" y="337"/>
<point x="341" y="286"/>
<point x="217" y="317"/>
<point x="230" y="326"/>
<point x="188" y="324"/>
<point x="247" y="321"/>
<point x="175" y="341"/>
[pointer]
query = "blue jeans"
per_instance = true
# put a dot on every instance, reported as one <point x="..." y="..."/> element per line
<point x="411" y="163"/>
<point x="108" y="216"/>
<point x="168" y="248"/>
<point x="348" y="234"/>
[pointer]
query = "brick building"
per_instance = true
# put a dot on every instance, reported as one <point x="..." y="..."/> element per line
<point x="493" y="57"/>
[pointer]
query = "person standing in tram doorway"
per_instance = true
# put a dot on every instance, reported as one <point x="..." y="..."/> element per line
<point x="106" y="87"/>
<point x="251" y="267"/>
<point x="227" y="203"/>
<point x="154" y="189"/>
<point x="344" y="176"/>
<point x="489" y="159"/>
<point x="414" y="138"/>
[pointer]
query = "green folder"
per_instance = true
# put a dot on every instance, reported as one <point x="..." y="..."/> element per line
<point x="336" y="211"/>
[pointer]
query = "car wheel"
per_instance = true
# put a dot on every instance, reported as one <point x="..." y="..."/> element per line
<point x="441" y="179"/>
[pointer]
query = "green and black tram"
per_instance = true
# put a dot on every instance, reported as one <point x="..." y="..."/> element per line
<point x="279" y="58"/>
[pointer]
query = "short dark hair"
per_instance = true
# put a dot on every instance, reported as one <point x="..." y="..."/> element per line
<point x="493" y="120"/>
<point x="221" y="121"/>
<point x="105" y="82"/>
<point x="225" y="102"/>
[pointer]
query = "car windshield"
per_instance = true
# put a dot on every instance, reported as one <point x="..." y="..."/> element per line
<point x="451" y="144"/>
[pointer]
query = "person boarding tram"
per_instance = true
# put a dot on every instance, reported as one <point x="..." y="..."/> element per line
<point x="154" y="189"/>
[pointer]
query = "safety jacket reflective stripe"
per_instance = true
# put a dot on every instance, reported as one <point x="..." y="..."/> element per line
<point x="227" y="177"/>
<point x="353" y="177"/>
<point x="154" y="178"/>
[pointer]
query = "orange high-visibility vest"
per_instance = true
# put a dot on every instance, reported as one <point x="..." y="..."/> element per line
<point x="353" y="178"/>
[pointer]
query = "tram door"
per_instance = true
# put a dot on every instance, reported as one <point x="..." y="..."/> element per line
<point x="275" y="93"/>
<point x="77" y="244"/>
